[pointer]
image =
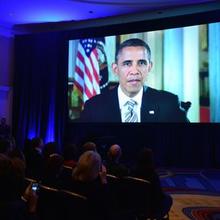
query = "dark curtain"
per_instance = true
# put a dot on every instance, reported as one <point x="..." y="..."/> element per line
<point x="40" y="87"/>
<point x="193" y="145"/>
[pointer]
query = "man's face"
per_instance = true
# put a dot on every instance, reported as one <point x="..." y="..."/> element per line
<point x="132" y="68"/>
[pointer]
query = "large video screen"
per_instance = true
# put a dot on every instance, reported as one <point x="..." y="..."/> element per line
<point x="176" y="81"/>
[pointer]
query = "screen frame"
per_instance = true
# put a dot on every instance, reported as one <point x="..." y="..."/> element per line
<point x="168" y="23"/>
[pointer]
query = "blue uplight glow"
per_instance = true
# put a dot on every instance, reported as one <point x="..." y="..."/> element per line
<point x="32" y="134"/>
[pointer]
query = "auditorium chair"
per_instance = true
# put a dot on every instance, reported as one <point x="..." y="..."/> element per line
<point x="135" y="196"/>
<point x="112" y="179"/>
<point x="49" y="203"/>
<point x="73" y="205"/>
<point x="54" y="204"/>
<point x="66" y="176"/>
<point x="29" y="180"/>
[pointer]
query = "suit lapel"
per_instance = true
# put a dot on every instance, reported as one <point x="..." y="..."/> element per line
<point x="149" y="109"/>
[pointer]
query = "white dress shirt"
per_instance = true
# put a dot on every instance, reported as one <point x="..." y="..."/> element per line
<point x="124" y="98"/>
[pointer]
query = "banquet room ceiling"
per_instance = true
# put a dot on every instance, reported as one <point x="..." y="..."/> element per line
<point x="14" y="12"/>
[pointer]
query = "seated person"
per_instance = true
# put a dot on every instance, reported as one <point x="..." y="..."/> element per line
<point x="161" y="202"/>
<point x="89" y="180"/>
<point x="49" y="148"/>
<point x="113" y="165"/>
<point x="132" y="100"/>
<point x="70" y="155"/>
<point x="89" y="145"/>
<point x="12" y="205"/>
<point x="34" y="159"/>
<point x="52" y="171"/>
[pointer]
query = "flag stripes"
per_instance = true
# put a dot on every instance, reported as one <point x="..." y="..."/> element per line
<point x="87" y="69"/>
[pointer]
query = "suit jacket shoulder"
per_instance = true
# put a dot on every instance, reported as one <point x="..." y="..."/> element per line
<point x="161" y="106"/>
<point x="102" y="108"/>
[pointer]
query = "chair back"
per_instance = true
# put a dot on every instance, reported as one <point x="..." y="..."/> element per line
<point x="54" y="204"/>
<point x="114" y="184"/>
<point x="27" y="182"/>
<point x="74" y="206"/>
<point x="136" y="195"/>
<point x="49" y="203"/>
<point x="119" y="208"/>
<point x="112" y="180"/>
<point x="66" y="176"/>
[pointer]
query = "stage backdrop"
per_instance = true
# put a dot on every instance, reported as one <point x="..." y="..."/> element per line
<point x="40" y="109"/>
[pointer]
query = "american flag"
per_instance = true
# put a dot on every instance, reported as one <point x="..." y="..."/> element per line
<point x="87" y="70"/>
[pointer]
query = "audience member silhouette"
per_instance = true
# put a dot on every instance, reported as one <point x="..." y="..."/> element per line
<point x="12" y="206"/>
<point x="27" y="148"/>
<point x="48" y="149"/>
<point x="70" y="155"/>
<point x="90" y="181"/>
<point x="89" y="146"/>
<point x="17" y="153"/>
<point x="35" y="159"/>
<point x="113" y="164"/>
<point x="161" y="202"/>
<point x="52" y="171"/>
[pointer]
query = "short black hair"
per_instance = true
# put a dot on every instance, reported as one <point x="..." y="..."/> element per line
<point x="133" y="42"/>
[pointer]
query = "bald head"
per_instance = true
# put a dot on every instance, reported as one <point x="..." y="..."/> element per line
<point x="114" y="152"/>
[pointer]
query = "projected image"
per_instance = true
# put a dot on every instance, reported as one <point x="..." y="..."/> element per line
<point x="159" y="76"/>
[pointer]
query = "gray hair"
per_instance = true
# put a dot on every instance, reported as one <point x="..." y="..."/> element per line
<point x="88" y="167"/>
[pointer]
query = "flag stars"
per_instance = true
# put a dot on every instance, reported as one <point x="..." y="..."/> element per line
<point x="88" y="45"/>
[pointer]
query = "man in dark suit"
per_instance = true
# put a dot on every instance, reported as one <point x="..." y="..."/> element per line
<point x="113" y="164"/>
<point x="132" y="101"/>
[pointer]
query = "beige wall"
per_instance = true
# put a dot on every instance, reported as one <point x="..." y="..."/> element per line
<point x="6" y="76"/>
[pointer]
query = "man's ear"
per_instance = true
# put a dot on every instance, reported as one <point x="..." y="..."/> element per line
<point x="115" y="68"/>
<point x="150" y="65"/>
